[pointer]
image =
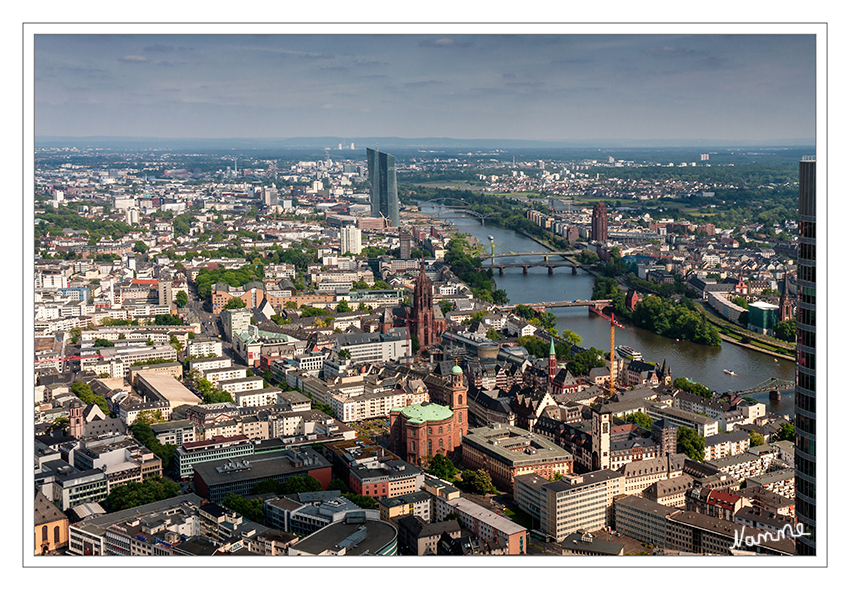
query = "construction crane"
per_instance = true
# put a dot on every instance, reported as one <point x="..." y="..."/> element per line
<point x="614" y="322"/>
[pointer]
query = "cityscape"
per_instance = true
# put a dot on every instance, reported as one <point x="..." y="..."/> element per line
<point x="414" y="338"/>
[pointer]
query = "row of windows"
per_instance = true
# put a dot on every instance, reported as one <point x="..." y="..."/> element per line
<point x="802" y="401"/>
<point x="805" y="424"/>
<point x="804" y="466"/>
<point x="806" y="273"/>
<point x="807" y="229"/>
<point x="806" y="338"/>
<point x="807" y="252"/>
<point x="806" y="359"/>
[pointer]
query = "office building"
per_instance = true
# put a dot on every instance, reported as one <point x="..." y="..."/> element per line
<point x="599" y="223"/>
<point x="383" y="186"/>
<point x="804" y="400"/>
<point x="405" y="240"/>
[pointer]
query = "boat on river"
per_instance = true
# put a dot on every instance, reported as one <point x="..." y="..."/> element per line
<point x="729" y="371"/>
<point x="628" y="353"/>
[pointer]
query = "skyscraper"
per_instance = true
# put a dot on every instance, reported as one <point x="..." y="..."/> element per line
<point x="599" y="223"/>
<point x="804" y="397"/>
<point x="383" y="186"/>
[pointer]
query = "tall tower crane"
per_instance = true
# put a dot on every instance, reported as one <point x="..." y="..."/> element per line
<point x="614" y="322"/>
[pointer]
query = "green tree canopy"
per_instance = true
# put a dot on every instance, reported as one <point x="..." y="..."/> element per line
<point x="235" y="303"/>
<point x="786" y="432"/>
<point x="300" y="484"/>
<point x="756" y="439"/>
<point x="440" y="466"/>
<point x="130" y="495"/>
<point x="643" y="420"/>
<point x="249" y="509"/>
<point x="691" y="443"/>
<point x="181" y="299"/>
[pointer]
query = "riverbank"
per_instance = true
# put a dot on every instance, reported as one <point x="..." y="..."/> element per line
<point x="735" y="333"/>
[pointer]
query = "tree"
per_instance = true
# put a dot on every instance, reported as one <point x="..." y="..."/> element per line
<point x="756" y="439"/>
<point x="692" y="387"/>
<point x="571" y="337"/>
<point x="691" y="443"/>
<point x="344" y="354"/>
<point x="441" y="467"/>
<point x="343" y="307"/>
<point x="249" y="509"/>
<point x="492" y="334"/>
<point x="786" y="432"/>
<point x="181" y="299"/>
<point x="301" y="483"/>
<point x="446" y="307"/>
<point x="478" y="481"/>
<point x="365" y="502"/>
<point x="235" y="303"/>
<point x="149" y="417"/>
<point x="786" y="330"/>
<point x="103" y="343"/>
<point x="337" y="484"/>
<point x="140" y="247"/>
<point x="643" y="420"/>
<point x="130" y="495"/>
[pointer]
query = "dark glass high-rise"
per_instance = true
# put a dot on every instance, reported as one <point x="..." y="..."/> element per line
<point x="383" y="189"/>
<point x="804" y="394"/>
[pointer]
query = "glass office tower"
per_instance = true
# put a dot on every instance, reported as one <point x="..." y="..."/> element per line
<point x="804" y="397"/>
<point x="383" y="186"/>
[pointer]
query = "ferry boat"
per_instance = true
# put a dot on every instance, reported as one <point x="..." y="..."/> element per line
<point x="628" y="353"/>
<point x="729" y="371"/>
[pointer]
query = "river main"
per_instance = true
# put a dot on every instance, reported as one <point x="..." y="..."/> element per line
<point x="698" y="362"/>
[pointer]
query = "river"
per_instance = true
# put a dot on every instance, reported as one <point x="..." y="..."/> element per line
<point x="698" y="362"/>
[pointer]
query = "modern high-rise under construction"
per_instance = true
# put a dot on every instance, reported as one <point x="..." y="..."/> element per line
<point x="804" y="394"/>
<point x="383" y="186"/>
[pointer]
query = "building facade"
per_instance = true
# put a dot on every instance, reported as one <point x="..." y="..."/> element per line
<point x="804" y="398"/>
<point x="382" y="179"/>
<point x="599" y="223"/>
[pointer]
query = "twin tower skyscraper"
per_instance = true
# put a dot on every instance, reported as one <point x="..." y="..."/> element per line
<point x="383" y="189"/>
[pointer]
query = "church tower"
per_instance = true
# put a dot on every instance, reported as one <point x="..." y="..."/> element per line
<point x="423" y="308"/>
<point x="457" y="403"/>
<point x="75" y="418"/>
<point x="553" y="363"/>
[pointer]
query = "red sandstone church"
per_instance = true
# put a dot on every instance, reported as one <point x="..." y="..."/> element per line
<point x="423" y="430"/>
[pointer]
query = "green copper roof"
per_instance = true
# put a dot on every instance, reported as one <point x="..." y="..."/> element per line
<point x="551" y="346"/>
<point x="419" y="413"/>
<point x="457" y="370"/>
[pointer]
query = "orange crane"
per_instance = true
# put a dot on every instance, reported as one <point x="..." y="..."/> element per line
<point x="614" y="322"/>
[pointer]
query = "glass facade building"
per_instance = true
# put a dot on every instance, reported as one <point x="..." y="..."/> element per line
<point x="383" y="189"/>
<point x="804" y="395"/>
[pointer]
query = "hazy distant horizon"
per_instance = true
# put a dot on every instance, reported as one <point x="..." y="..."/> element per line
<point x="360" y="143"/>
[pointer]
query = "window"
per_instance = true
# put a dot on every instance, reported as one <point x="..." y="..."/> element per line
<point x="44" y="533"/>
<point x="56" y="534"/>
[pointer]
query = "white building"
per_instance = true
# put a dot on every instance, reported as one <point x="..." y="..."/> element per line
<point x="350" y="240"/>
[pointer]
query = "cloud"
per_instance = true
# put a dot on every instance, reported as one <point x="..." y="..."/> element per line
<point x="318" y="55"/>
<point x="443" y="42"/>
<point x="158" y="48"/>
<point x="133" y="59"/>
<point x="669" y="51"/>
<point x="422" y="83"/>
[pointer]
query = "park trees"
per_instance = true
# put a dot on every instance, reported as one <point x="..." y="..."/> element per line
<point x="691" y="443"/>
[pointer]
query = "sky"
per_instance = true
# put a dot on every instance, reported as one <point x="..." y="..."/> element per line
<point x="730" y="88"/>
